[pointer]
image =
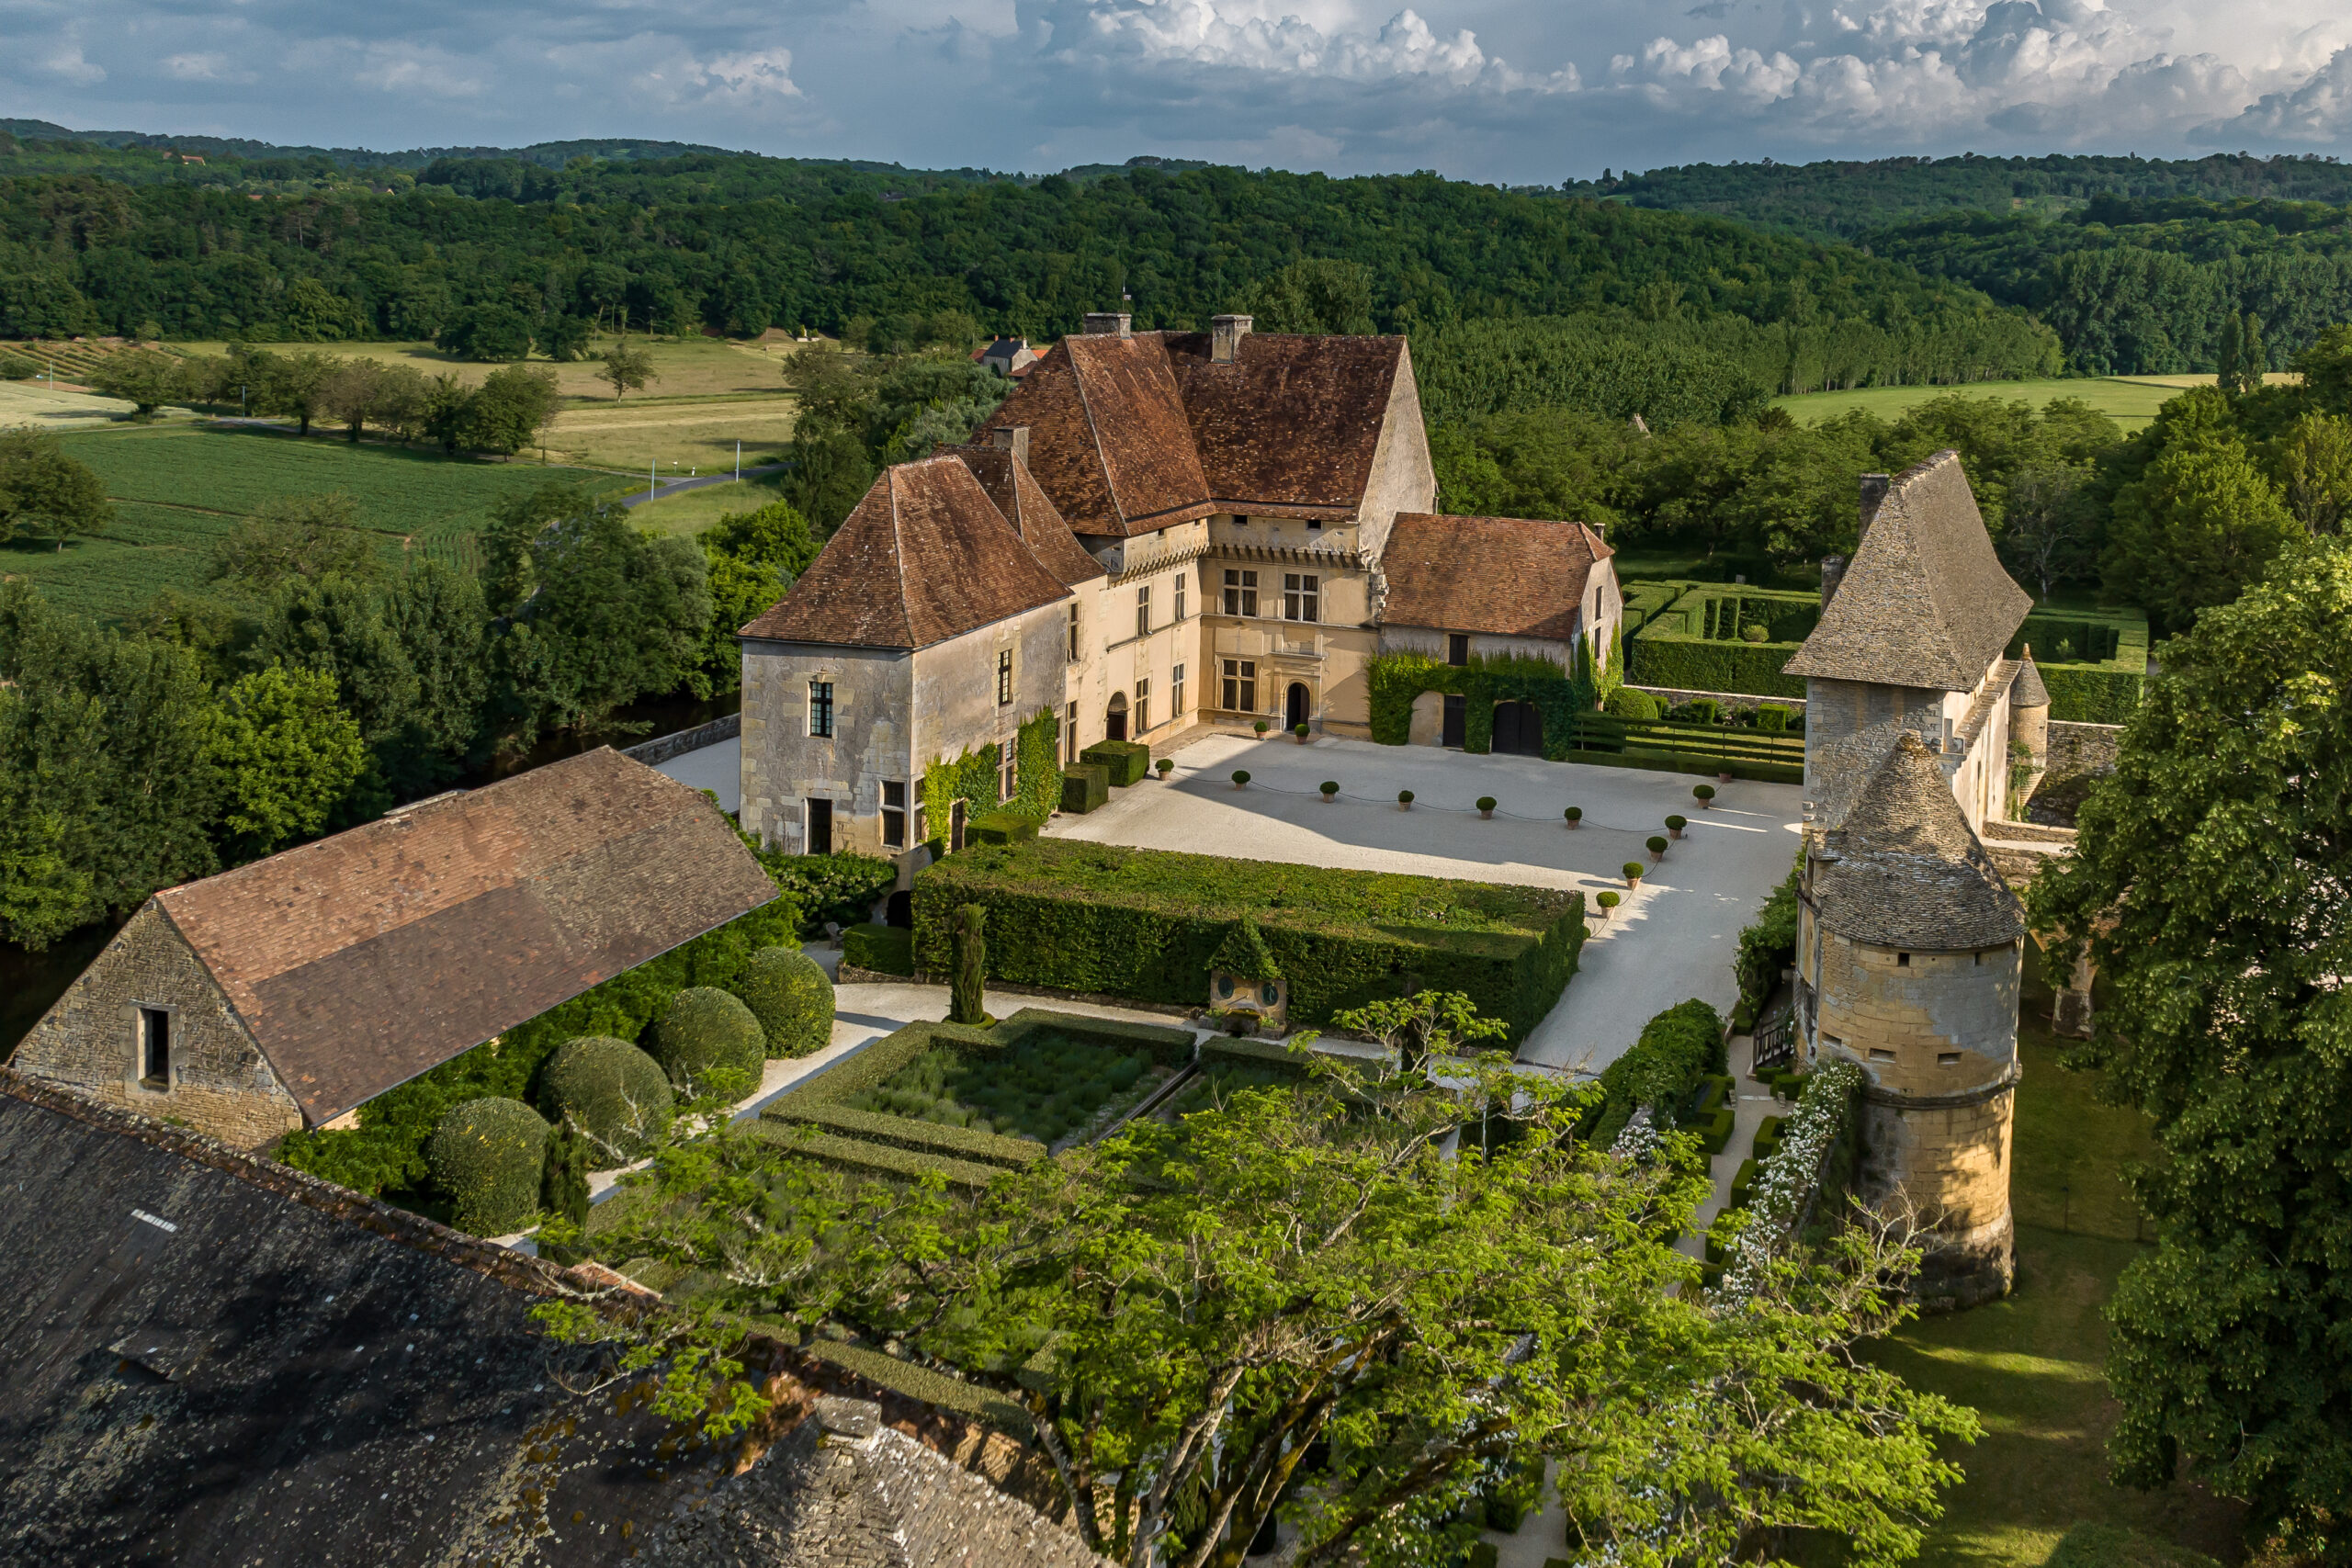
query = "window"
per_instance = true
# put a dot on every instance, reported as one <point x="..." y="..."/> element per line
<point x="894" y="815"/>
<point x="1457" y="647"/>
<point x="1241" y="521"/>
<point x="1240" y="593"/>
<point x="1878" y="1056"/>
<point x="1003" y="676"/>
<point x="1903" y="960"/>
<point x="1073" y="631"/>
<point x="1241" y="685"/>
<point x="1179" y="595"/>
<point x="1007" y="754"/>
<point x="1947" y="1058"/>
<point x="1070" y="737"/>
<point x="821" y="828"/>
<point x="1315" y="525"/>
<point x="1143" y="707"/>
<point x="1302" y="594"/>
<point x="820" y="708"/>
<point x="1143" y="611"/>
<point x="1176" y="693"/>
<point x="156" y="1047"/>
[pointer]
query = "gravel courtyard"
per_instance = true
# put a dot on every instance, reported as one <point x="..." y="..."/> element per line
<point x="1673" y="939"/>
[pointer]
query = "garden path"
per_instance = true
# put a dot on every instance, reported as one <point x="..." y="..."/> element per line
<point x="1673" y="938"/>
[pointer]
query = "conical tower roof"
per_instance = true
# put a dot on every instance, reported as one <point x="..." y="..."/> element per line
<point x="1900" y="866"/>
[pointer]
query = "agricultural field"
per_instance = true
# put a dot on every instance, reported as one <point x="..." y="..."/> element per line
<point x="39" y="405"/>
<point x="685" y="368"/>
<point x="689" y="513"/>
<point x="685" y="435"/>
<point x="2130" y="403"/>
<point x="178" y="488"/>
<point x="1047" y="1086"/>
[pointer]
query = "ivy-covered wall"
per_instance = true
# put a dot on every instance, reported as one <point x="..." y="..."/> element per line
<point x="1558" y="694"/>
<point x="972" y="777"/>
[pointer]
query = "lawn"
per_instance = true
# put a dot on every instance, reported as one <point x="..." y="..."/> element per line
<point x="694" y="511"/>
<point x="696" y="367"/>
<point x="178" y="488"/>
<point x="1047" y="1086"/>
<point x="2130" y="403"/>
<point x="685" y="435"/>
<point x="2030" y="1365"/>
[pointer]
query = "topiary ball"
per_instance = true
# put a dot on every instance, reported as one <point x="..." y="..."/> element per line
<point x="1677" y="823"/>
<point x="1633" y="870"/>
<point x="705" y="1028"/>
<point x="787" y="991"/>
<point x="485" y="1158"/>
<point x="1608" y="900"/>
<point x="1404" y="797"/>
<point x="1329" y="787"/>
<point x="1241" y="778"/>
<point x="1486" y="803"/>
<point x="613" y="1092"/>
<point x="1657" y="844"/>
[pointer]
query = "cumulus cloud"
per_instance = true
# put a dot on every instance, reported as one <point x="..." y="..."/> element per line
<point x="66" y="60"/>
<point x="2317" y="112"/>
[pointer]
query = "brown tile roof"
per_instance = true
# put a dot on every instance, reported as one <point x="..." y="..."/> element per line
<point x="1507" y="576"/>
<point x="362" y="960"/>
<point x="1129" y="435"/>
<point x="925" y="556"/>
<point x="1900" y="867"/>
<point x="1925" y="603"/>
<point x="1016" y="494"/>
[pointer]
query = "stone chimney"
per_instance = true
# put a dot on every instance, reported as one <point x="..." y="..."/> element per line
<point x="1874" y="487"/>
<point x="1112" y="324"/>
<point x="1226" y="333"/>
<point x="1012" y="438"/>
<point x="1833" y="573"/>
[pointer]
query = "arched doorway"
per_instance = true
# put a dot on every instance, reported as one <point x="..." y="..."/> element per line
<point x="1115" y="718"/>
<point x="1294" y="706"/>
<point x="1519" y="729"/>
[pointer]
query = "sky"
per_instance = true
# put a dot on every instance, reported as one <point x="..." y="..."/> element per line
<point x="1516" y="91"/>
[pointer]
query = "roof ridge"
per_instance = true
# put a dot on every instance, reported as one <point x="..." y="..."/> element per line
<point x="1094" y="434"/>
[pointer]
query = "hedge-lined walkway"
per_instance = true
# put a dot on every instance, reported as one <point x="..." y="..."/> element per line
<point x="1672" y="940"/>
<point x="1754" y="1102"/>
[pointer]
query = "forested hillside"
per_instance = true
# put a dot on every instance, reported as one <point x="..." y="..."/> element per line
<point x="1842" y="200"/>
<point x="676" y="245"/>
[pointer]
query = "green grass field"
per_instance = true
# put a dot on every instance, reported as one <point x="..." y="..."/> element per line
<point x="2031" y="1366"/>
<point x="2130" y="403"/>
<point x="690" y="513"/>
<point x="178" y="488"/>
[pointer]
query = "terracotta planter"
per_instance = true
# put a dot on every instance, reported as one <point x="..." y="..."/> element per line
<point x="1632" y="881"/>
<point x="1674" y="832"/>
<point x="1301" y="740"/>
<point x="1485" y="816"/>
<point x="1657" y="855"/>
<point x="1707" y="804"/>
<point x="1722" y="778"/>
<point x="1573" y="826"/>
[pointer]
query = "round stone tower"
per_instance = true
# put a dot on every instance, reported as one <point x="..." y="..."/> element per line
<point x="1910" y="949"/>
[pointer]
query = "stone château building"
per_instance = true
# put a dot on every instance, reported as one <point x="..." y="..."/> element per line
<point x="1158" y="529"/>
<point x="1910" y="944"/>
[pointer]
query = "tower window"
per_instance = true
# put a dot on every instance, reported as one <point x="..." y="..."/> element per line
<point x="1878" y="1056"/>
<point x="1903" y="960"/>
<point x="1003" y="676"/>
<point x="156" y="1047"/>
<point x="820" y="709"/>
<point x="1947" y="1058"/>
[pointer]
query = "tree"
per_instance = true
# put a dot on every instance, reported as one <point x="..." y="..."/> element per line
<point x="2053" y="525"/>
<point x="288" y="755"/>
<point x="1425" y="1024"/>
<point x="299" y="538"/>
<point x="740" y="592"/>
<point x="2253" y="357"/>
<point x="2209" y="874"/>
<point x="2232" y="351"/>
<point x="2314" y="462"/>
<point x="509" y="408"/>
<point x="41" y="485"/>
<point x="140" y="377"/>
<point x="2194" y="530"/>
<point x="294" y="385"/>
<point x="1296" y="1299"/>
<point x="970" y="941"/>
<point x="2327" y="369"/>
<point x="351" y="393"/>
<point x="776" y="535"/>
<point x="437" y="614"/>
<point x="624" y="367"/>
<point x="1314" y="295"/>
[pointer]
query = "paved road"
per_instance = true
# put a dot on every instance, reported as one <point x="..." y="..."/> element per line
<point x="676" y="487"/>
<point x="1673" y="939"/>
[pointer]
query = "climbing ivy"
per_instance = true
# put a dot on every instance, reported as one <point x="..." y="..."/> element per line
<point x="972" y="777"/>
<point x="1557" y="692"/>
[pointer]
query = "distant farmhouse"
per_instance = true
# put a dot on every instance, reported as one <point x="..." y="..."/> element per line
<point x="1911" y="944"/>
<point x="1159" y="529"/>
<point x="1007" y="356"/>
<point x="286" y="993"/>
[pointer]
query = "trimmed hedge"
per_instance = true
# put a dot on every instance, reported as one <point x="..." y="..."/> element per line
<point x="705" y="1028"/>
<point x="1085" y="788"/>
<point x="2103" y="681"/>
<point x="1243" y="1052"/>
<point x="1002" y="828"/>
<point x="1126" y="761"/>
<point x="792" y="998"/>
<point x="886" y="950"/>
<point x="1694" y="643"/>
<point x="1767" y="945"/>
<point x="860" y="1158"/>
<point x="931" y="1387"/>
<point x="1146" y="924"/>
<point x="486" y="1155"/>
<point x="613" y="1092"/>
<point x="1677" y="1048"/>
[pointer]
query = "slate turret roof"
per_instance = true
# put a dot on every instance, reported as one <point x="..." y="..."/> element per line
<point x="2026" y="690"/>
<point x="1925" y="603"/>
<point x="1505" y="576"/>
<point x="925" y="556"/>
<point x="1898" y="865"/>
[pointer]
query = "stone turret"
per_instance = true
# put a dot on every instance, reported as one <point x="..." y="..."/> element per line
<point x="1910" y="952"/>
<point x="2029" y="719"/>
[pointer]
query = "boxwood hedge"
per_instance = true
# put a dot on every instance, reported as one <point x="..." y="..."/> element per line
<point x="1145" y="923"/>
<point x="1678" y="1049"/>
<point x="1127" y="761"/>
<point x="789" y="993"/>
<point x="705" y="1028"/>
<point x="613" y="1092"/>
<point x="486" y="1155"/>
<point x="886" y="950"/>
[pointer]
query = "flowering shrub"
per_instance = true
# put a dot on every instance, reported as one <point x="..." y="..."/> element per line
<point x="1785" y="1183"/>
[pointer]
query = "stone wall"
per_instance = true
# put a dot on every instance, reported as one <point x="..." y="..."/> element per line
<point x="2080" y="750"/>
<point x="219" y="1084"/>
<point x="784" y="766"/>
<point x="660" y="749"/>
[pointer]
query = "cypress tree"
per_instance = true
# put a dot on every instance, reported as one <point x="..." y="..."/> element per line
<point x="971" y="960"/>
<point x="2233" y="336"/>
<point x="2251" y="355"/>
<point x="563" y="1181"/>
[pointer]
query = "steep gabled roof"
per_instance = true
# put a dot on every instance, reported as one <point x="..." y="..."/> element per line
<point x="1506" y="576"/>
<point x="362" y="960"/>
<point x="1015" y="490"/>
<point x="1925" y="603"/>
<point x="1133" y="434"/>
<point x="1900" y="866"/>
<point x="925" y="556"/>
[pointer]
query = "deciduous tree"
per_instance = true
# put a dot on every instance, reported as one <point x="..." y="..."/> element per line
<point x="142" y="376"/>
<point x="297" y="537"/>
<point x="288" y="756"/>
<point x="40" y="486"/>
<point x="622" y="367"/>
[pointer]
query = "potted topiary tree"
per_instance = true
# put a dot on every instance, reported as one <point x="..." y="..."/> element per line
<point x="1657" y="847"/>
<point x="1575" y="814"/>
<point x="1331" y="792"/>
<point x="1486" y="807"/>
<point x="1606" y="901"/>
<point x="1261" y="726"/>
<point x="1404" y="800"/>
<point x="1166" y="765"/>
<point x="1241" y="779"/>
<point x="1674" y="826"/>
<point x="1299" y="730"/>
<point x="1633" y="870"/>
<point x="1705" y="795"/>
<point x="1722" y="778"/>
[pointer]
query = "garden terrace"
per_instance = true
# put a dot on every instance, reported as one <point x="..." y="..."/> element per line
<point x="971" y="1103"/>
<point x="1144" y="924"/>
<point x="1694" y="641"/>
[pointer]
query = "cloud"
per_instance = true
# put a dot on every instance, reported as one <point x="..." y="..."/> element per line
<point x="66" y="62"/>
<point x="2317" y="112"/>
<point x="211" y="66"/>
<point x="420" y="71"/>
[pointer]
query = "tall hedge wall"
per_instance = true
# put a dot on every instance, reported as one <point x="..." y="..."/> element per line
<point x="1560" y="694"/>
<point x="2103" y="684"/>
<point x="1692" y="643"/>
<point x="1144" y="924"/>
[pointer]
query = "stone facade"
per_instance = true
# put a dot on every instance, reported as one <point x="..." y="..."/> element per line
<point x="217" y="1082"/>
